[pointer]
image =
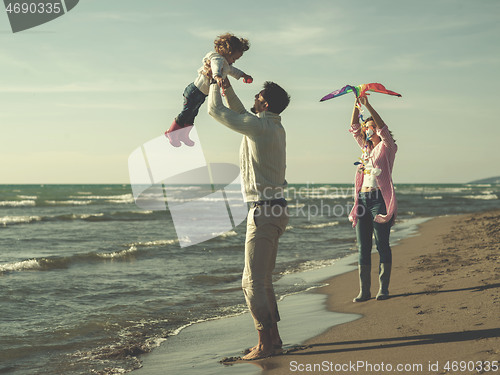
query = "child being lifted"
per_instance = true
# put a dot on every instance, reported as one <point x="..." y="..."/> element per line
<point x="216" y="65"/>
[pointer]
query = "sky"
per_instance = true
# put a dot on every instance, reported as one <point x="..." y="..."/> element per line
<point x="80" y="93"/>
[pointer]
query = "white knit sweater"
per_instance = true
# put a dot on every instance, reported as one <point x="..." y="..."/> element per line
<point x="220" y="67"/>
<point x="263" y="148"/>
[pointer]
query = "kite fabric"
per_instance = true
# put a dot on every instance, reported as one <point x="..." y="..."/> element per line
<point x="360" y="91"/>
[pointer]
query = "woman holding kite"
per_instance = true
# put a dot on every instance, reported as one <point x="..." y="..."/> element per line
<point x="375" y="203"/>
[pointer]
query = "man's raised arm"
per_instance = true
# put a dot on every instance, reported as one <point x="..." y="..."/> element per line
<point x="235" y="117"/>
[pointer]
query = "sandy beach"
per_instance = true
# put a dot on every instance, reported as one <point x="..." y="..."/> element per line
<point x="443" y="317"/>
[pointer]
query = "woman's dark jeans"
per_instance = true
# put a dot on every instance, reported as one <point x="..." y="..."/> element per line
<point x="193" y="99"/>
<point x="371" y="204"/>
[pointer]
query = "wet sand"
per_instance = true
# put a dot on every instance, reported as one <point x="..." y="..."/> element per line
<point x="199" y="348"/>
<point x="442" y="318"/>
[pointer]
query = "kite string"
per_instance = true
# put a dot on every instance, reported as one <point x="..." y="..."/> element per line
<point x="360" y="110"/>
<point x="365" y="152"/>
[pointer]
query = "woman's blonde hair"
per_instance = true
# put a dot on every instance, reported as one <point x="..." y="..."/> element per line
<point x="227" y="43"/>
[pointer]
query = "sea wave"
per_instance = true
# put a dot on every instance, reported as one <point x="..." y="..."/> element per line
<point x="319" y="226"/>
<point x="482" y="196"/>
<point x="298" y="205"/>
<point x="70" y="202"/>
<point x="429" y="190"/>
<point x="79" y="199"/>
<point x="206" y="198"/>
<point x="118" y="254"/>
<point x="91" y="217"/>
<point x="177" y="188"/>
<point x="155" y="243"/>
<point x="479" y="185"/>
<point x="231" y="233"/>
<point x="21" y="203"/>
<point x="25" y="265"/>
<point x="101" y="216"/>
<point x="121" y="198"/>
<point x="140" y="337"/>
<point x="12" y="220"/>
<point x="40" y="264"/>
<point x="31" y="197"/>
<point x="52" y="263"/>
<point x="214" y="279"/>
<point x="310" y="265"/>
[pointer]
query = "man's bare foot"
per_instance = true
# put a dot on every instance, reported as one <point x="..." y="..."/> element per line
<point x="271" y="334"/>
<point x="265" y="347"/>
<point x="258" y="352"/>
<point x="276" y="346"/>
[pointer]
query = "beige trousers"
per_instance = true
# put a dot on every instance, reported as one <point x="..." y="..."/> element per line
<point x="265" y="225"/>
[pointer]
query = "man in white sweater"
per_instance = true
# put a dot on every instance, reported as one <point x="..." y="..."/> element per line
<point x="262" y="164"/>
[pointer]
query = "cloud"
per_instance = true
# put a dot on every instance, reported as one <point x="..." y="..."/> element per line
<point x="85" y="87"/>
<point x="284" y="36"/>
<point x="302" y="40"/>
<point x="135" y="16"/>
<point x="478" y="61"/>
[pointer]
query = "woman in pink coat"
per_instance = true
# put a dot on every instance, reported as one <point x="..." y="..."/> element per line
<point x="375" y="205"/>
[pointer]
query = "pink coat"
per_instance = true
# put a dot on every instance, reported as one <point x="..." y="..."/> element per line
<point x="383" y="156"/>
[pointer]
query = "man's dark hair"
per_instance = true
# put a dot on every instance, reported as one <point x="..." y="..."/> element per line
<point x="277" y="99"/>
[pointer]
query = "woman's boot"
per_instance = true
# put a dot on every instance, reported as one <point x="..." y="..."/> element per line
<point x="384" y="278"/>
<point x="364" y="283"/>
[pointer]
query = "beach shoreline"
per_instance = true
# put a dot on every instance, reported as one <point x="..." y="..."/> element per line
<point x="441" y="318"/>
<point x="408" y="328"/>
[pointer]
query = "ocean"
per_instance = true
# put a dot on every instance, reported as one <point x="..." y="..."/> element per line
<point x="89" y="281"/>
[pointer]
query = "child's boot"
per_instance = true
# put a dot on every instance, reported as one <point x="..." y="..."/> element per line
<point x="173" y="134"/>
<point x="184" y="135"/>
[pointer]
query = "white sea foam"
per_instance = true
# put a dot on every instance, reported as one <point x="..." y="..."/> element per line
<point x="311" y="265"/>
<point x="121" y="198"/>
<point x="118" y="254"/>
<point x="320" y="225"/>
<point x="224" y="316"/>
<point x="298" y="205"/>
<point x="70" y="202"/>
<point x="231" y="233"/>
<point x="145" y="212"/>
<point x="85" y="216"/>
<point x="156" y="243"/>
<point x="428" y="190"/>
<point x="22" y="203"/>
<point x="119" y="201"/>
<point x="180" y="188"/>
<point x="31" y="264"/>
<point x="482" y="197"/>
<point x="31" y="197"/>
<point x="6" y="220"/>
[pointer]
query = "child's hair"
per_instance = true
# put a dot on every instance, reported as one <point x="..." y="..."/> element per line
<point x="227" y="43"/>
<point x="277" y="99"/>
